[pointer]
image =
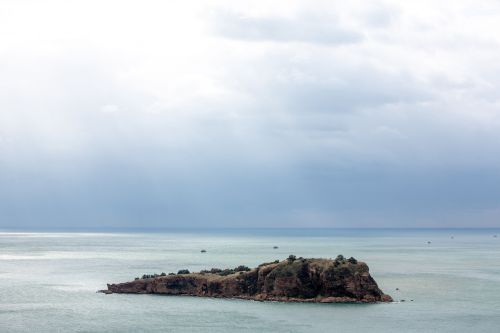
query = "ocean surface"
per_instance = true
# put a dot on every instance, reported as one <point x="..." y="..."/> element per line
<point x="48" y="281"/>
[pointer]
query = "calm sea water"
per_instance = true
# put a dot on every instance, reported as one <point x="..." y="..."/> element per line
<point x="48" y="281"/>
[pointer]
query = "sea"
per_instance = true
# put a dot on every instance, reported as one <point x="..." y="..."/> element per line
<point x="442" y="280"/>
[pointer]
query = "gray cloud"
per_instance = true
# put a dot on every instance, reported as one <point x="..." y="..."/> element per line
<point x="307" y="28"/>
<point x="379" y="15"/>
<point x="198" y="130"/>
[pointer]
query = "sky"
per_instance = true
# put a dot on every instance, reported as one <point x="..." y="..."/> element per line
<point x="162" y="114"/>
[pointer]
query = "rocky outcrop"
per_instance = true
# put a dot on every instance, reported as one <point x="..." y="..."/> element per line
<point x="291" y="280"/>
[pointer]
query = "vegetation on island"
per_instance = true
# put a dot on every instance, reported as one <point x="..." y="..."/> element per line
<point x="286" y="270"/>
<point x="293" y="279"/>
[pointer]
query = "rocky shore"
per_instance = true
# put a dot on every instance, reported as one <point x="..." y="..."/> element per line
<point x="290" y="280"/>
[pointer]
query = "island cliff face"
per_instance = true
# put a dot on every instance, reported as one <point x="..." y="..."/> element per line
<point x="291" y="280"/>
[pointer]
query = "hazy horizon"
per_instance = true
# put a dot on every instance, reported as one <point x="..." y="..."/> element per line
<point x="283" y="114"/>
<point x="196" y="229"/>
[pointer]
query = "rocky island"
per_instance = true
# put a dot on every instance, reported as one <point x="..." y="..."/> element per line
<point x="291" y="280"/>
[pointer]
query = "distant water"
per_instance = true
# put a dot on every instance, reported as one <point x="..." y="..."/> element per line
<point x="48" y="281"/>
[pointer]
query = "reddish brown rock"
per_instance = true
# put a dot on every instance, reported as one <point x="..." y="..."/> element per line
<point x="291" y="280"/>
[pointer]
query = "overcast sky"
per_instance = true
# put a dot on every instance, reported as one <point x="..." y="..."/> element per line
<point x="249" y="113"/>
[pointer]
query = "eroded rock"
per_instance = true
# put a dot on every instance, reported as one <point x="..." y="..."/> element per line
<point x="297" y="280"/>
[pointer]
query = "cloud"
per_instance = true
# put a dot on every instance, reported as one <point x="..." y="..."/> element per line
<point x="379" y="14"/>
<point x="306" y="28"/>
<point x="109" y="108"/>
<point x="278" y="113"/>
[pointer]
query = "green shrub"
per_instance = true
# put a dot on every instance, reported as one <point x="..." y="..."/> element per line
<point x="352" y="260"/>
<point x="242" y="268"/>
<point x="225" y="272"/>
